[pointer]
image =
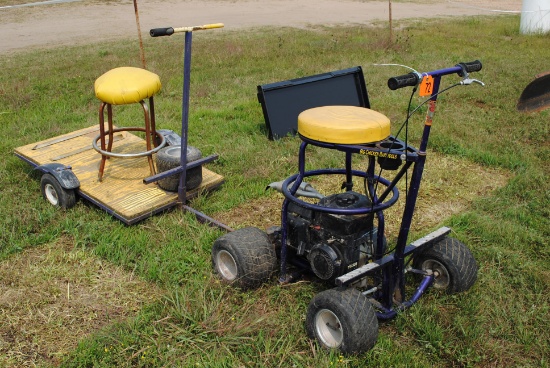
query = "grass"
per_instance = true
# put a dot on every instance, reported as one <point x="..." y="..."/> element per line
<point x="73" y="293"/>
<point x="501" y="321"/>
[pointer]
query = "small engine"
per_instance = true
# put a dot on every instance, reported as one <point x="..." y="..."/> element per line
<point x="332" y="244"/>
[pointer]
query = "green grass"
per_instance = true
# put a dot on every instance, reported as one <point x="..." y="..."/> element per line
<point x="501" y="321"/>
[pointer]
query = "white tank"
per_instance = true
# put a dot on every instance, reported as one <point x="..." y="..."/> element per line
<point x="535" y="16"/>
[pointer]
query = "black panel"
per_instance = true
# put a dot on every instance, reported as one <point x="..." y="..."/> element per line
<point x="282" y="102"/>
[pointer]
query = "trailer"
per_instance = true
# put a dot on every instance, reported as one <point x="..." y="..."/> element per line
<point x="73" y="162"/>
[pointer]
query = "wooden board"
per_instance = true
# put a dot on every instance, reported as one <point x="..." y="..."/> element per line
<point x="122" y="191"/>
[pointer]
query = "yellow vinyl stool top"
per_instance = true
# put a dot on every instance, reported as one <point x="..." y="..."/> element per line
<point x="126" y="85"/>
<point x="343" y="125"/>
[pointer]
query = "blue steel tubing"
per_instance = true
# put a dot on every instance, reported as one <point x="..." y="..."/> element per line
<point x="395" y="180"/>
<point x="337" y="211"/>
<point x="284" y="211"/>
<point x="359" y="148"/>
<point x="380" y="247"/>
<point x="182" y="190"/>
<point x="349" y="183"/>
<point x="387" y="313"/>
<point x="444" y="71"/>
<point x="302" y="159"/>
<point x="410" y="203"/>
<point x="371" y="190"/>
<point x="282" y="277"/>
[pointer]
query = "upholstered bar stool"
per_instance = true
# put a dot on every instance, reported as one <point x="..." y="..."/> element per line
<point x="345" y="128"/>
<point x="121" y="86"/>
<point x="343" y="125"/>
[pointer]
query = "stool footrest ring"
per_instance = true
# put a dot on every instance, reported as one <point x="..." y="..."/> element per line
<point x="129" y="155"/>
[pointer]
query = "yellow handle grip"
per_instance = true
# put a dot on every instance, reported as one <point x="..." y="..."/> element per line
<point x="198" y="28"/>
<point x="213" y="25"/>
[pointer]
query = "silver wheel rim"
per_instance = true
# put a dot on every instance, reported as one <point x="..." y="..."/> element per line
<point x="174" y="151"/>
<point x="226" y="265"/>
<point x="329" y="329"/>
<point x="51" y="194"/>
<point x="442" y="279"/>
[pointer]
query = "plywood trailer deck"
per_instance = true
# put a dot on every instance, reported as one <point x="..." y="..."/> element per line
<point x="121" y="192"/>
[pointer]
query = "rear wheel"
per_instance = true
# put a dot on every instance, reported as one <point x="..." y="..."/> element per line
<point x="244" y="258"/>
<point x="452" y="263"/>
<point x="342" y="319"/>
<point x="54" y="193"/>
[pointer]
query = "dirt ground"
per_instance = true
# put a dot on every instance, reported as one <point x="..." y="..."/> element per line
<point x="51" y="25"/>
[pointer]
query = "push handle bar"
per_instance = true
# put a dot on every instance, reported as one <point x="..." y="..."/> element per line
<point x="157" y="32"/>
<point x="412" y="79"/>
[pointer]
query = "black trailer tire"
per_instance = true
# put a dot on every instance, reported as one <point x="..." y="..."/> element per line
<point x="54" y="193"/>
<point x="454" y="265"/>
<point x="168" y="158"/>
<point x="342" y="319"/>
<point x="244" y="258"/>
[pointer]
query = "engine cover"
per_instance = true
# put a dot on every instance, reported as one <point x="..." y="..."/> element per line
<point x="324" y="262"/>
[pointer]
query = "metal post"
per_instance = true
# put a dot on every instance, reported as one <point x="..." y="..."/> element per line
<point x="182" y="190"/>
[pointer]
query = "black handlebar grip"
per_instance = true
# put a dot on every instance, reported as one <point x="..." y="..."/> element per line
<point x="473" y="66"/>
<point x="401" y="81"/>
<point x="157" y="32"/>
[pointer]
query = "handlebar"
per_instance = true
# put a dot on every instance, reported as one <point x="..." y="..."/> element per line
<point x="472" y="66"/>
<point x="158" y="32"/>
<point x="412" y="79"/>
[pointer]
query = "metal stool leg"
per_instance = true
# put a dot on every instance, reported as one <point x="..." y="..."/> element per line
<point x="153" y="123"/>
<point x="108" y="133"/>
<point x="148" y="136"/>
<point x="110" y="125"/>
<point x="102" y="138"/>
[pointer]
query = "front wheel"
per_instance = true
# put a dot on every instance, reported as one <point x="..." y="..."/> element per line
<point x="342" y="319"/>
<point x="244" y="258"/>
<point x="452" y="263"/>
<point x="54" y="193"/>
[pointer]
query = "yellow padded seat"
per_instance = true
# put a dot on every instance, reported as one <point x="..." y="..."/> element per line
<point x="126" y="85"/>
<point x="343" y="125"/>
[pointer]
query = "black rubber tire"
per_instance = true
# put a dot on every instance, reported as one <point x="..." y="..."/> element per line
<point x="168" y="158"/>
<point x="54" y="193"/>
<point x="244" y="258"/>
<point x="354" y="327"/>
<point x="455" y="265"/>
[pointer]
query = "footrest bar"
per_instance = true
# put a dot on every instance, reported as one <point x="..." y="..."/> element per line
<point x="363" y="271"/>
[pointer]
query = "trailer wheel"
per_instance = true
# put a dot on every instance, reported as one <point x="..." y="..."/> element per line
<point x="452" y="262"/>
<point x="244" y="258"/>
<point x="54" y="193"/>
<point x="342" y="319"/>
<point x="168" y="158"/>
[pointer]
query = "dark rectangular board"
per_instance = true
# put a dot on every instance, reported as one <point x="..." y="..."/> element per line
<point x="282" y="102"/>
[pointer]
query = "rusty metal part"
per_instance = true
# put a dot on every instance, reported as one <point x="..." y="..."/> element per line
<point x="536" y="96"/>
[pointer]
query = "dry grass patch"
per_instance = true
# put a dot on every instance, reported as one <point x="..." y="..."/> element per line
<point x="449" y="186"/>
<point x="54" y="295"/>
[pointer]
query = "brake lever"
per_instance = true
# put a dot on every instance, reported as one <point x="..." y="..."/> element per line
<point x="468" y="81"/>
